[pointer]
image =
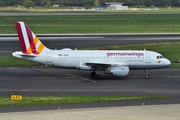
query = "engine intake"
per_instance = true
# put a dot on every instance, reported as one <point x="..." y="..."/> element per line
<point x="84" y="67"/>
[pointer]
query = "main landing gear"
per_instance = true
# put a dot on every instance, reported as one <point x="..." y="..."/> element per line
<point x="94" y="75"/>
<point x="146" y="74"/>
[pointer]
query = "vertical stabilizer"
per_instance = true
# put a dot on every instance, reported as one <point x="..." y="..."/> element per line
<point x="30" y="44"/>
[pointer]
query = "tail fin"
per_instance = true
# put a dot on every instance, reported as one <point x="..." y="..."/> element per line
<point x="28" y="40"/>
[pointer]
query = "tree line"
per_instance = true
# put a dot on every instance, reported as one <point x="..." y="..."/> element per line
<point x="93" y="3"/>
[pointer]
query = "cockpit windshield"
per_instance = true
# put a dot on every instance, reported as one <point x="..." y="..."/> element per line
<point x="160" y="57"/>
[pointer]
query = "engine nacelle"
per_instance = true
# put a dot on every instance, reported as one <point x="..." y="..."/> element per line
<point x="84" y="67"/>
<point x="120" y="71"/>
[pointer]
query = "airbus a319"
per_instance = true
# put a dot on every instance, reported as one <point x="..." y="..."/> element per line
<point x="113" y="62"/>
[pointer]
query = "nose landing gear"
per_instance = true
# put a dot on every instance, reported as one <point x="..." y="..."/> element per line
<point x="146" y="74"/>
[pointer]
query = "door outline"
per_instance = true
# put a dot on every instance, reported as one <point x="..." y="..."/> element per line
<point x="148" y="57"/>
<point x="49" y="57"/>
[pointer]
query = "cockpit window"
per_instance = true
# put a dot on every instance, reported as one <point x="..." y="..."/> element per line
<point x="160" y="57"/>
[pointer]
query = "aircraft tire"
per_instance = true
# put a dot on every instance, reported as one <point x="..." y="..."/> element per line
<point x="93" y="73"/>
<point x="147" y="76"/>
<point x="96" y="76"/>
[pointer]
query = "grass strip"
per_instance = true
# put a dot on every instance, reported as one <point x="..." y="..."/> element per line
<point x="12" y="61"/>
<point x="110" y="23"/>
<point x="48" y="100"/>
<point x="174" y="65"/>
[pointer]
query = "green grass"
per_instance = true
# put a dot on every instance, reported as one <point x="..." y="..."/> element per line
<point x="47" y="100"/>
<point x="175" y="65"/>
<point x="11" y="61"/>
<point x="120" y="23"/>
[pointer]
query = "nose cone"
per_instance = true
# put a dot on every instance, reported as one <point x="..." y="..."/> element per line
<point x="167" y="62"/>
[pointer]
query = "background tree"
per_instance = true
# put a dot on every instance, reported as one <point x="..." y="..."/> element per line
<point x="87" y="6"/>
<point x="148" y="3"/>
<point x="13" y="2"/>
<point x="96" y="3"/>
<point x="152" y="6"/>
<point x="156" y="3"/>
<point x="48" y="5"/>
<point x="140" y="2"/>
<point x="29" y="3"/>
<point x="102" y="2"/>
<point x="167" y="2"/>
<point x="176" y="3"/>
<point x="2" y="3"/>
<point x="44" y="2"/>
<point x="37" y="2"/>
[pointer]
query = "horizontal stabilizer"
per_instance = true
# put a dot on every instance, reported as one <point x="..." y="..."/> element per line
<point x="29" y="55"/>
<point x="19" y="54"/>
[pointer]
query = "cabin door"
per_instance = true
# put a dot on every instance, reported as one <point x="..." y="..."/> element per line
<point x="148" y="57"/>
<point x="49" y="58"/>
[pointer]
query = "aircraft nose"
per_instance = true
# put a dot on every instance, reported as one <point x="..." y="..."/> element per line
<point x="167" y="62"/>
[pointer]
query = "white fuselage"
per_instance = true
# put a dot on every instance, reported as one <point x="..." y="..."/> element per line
<point x="72" y="59"/>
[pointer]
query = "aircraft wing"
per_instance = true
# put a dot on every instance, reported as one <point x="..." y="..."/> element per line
<point x="103" y="66"/>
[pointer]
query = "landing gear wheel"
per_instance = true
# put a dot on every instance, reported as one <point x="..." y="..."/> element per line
<point x="96" y="76"/>
<point x="147" y="76"/>
<point x="93" y="73"/>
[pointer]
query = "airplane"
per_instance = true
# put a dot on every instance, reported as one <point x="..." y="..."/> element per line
<point x="113" y="62"/>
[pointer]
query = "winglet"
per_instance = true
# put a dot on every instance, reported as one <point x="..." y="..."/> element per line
<point x="28" y="40"/>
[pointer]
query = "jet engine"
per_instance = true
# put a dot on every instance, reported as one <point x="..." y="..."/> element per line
<point x="84" y="67"/>
<point x="120" y="71"/>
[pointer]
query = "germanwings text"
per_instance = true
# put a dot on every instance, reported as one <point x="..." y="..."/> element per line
<point x="124" y="54"/>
